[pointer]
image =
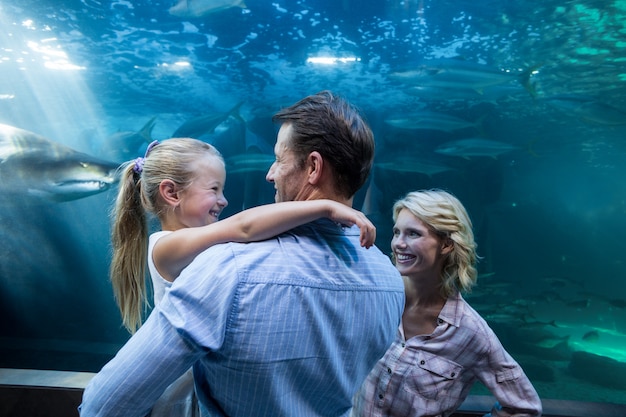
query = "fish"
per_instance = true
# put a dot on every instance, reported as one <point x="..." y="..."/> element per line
<point x="578" y="304"/>
<point x="561" y="351"/>
<point x="473" y="147"/>
<point x="455" y="73"/>
<point x="562" y="282"/>
<point x="33" y="165"/>
<point x="588" y="109"/>
<point x="591" y="336"/>
<point x="249" y="162"/>
<point x="199" y="8"/>
<point x="429" y="120"/>
<point x="487" y="94"/>
<point x="124" y="145"/>
<point x="201" y="125"/>
<point x="500" y="317"/>
<point x="539" y="336"/>
<point x="617" y="302"/>
<point x="612" y="302"/>
<point x="410" y="164"/>
<point x="539" y="323"/>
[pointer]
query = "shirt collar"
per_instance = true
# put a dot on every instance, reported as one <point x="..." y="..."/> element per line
<point x="328" y="226"/>
<point x="453" y="310"/>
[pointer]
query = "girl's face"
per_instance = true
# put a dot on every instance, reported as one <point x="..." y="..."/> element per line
<point x="417" y="249"/>
<point x="203" y="201"/>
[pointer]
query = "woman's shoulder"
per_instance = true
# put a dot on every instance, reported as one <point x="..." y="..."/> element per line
<point x="474" y="321"/>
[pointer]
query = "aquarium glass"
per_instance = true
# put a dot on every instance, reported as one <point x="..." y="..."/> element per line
<point x="516" y="107"/>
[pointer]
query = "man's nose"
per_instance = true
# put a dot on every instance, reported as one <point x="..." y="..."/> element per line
<point x="269" y="177"/>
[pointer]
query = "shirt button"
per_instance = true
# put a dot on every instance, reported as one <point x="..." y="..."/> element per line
<point x="388" y="370"/>
<point x="422" y="362"/>
<point x="453" y="374"/>
<point x="380" y="396"/>
<point x="440" y="321"/>
<point x="402" y="344"/>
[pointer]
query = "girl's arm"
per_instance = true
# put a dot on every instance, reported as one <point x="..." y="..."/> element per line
<point x="173" y="252"/>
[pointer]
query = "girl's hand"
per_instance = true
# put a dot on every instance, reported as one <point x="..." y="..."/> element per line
<point x="348" y="216"/>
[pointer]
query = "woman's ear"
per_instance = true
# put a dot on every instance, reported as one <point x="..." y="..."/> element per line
<point x="169" y="192"/>
<point x="447" y="246"/>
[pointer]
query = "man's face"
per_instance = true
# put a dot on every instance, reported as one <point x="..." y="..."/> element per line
<point x="287" y="177"/>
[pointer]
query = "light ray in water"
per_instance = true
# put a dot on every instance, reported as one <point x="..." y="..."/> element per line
<point x="33" y="54"/>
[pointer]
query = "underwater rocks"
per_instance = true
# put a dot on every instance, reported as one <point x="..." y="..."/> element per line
<point x="599" y="370"/>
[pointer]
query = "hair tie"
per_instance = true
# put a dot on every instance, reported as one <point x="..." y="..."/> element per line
<point x="149" y="148"/>
<point x="138" y="168"/>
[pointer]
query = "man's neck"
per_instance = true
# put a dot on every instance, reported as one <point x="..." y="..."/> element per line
<point x="318" y="194"/>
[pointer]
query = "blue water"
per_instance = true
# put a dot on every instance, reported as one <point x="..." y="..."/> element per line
<point x="548" y="214"/>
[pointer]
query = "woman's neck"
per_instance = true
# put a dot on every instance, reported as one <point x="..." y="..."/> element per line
<point x="423" y="305"/>
<point x="423" y="292"/>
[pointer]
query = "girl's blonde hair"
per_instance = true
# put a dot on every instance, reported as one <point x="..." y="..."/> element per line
<point x="138" y="196"/>
<point x="444" y="214"/>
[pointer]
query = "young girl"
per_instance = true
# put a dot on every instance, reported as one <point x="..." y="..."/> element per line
<point x="181" y="182"/>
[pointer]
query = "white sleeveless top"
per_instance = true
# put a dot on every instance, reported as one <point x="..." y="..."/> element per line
<point x="159" y="284"/>
<point x="179" y="399"/>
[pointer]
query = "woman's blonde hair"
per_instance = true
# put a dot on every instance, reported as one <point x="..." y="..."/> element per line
<point x="138" y="196"/>
<point x="444" y="214"/>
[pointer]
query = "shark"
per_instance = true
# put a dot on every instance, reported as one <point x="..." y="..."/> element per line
<point x="249" y="162"/>
<point x="473" y="147"/>
<point x="201" y="125"/>
<point x="588" y="109"/>
<point x="124" y="145"/>
<point x="456" y="73"/>
<point x="412" y="165"/>
<point x="199" y="8"/>
<point x="33" y="165"/>
<point x="429" y="120"/>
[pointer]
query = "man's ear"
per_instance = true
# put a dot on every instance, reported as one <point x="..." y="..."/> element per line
<point x="169" y="192"/>
<point x="315" y="167"/>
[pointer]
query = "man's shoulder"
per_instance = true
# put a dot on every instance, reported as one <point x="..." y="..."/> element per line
<point x="236" y="254"/>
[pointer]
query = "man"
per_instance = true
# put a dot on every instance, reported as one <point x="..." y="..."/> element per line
<point x="289" y="326"/>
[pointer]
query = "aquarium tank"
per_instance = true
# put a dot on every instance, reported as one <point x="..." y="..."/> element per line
<point x="516" y="107"/>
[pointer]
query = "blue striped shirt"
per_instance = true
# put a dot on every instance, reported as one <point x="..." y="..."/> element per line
<point x="289" y="326"/>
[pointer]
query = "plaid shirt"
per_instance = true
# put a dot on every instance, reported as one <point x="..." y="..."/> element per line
<point x="431" y="375"/>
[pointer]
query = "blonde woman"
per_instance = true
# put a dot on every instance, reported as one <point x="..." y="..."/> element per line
<point x="443" y="345"/>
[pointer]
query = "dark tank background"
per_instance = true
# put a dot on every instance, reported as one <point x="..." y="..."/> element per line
<point x="543" y="80"/>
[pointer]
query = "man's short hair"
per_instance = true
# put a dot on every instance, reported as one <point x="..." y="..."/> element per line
<point x="328" y="124"/>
